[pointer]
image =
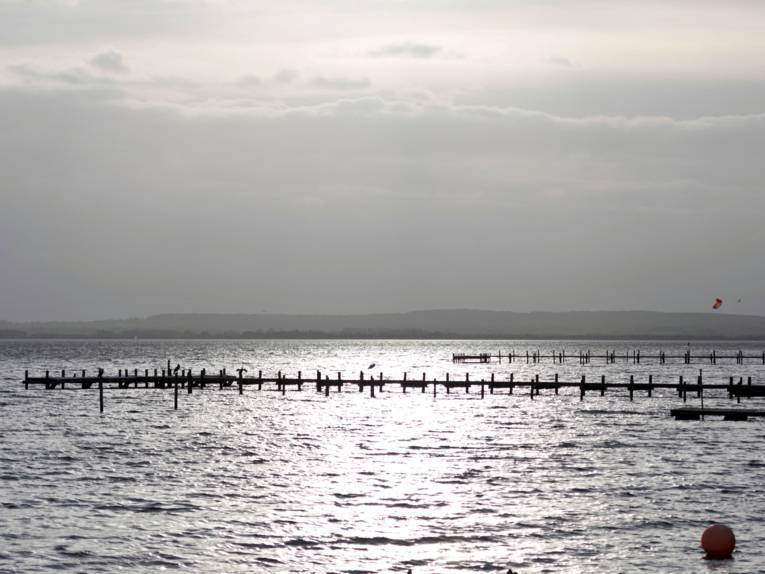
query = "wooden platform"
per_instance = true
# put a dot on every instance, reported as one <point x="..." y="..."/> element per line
<point x="694" y="414"/>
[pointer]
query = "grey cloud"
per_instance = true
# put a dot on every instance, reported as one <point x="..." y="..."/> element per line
<point x="250" y="81"/>
<point x="561" y="61"/>
<point x="109" y="61"/>
<point x="406" y="50"/>
<point x="339" y="84"/>
<point x="286" y="76"/>
<point x="591" y="94"/>
<point x="419" y="190"/>
<point x="73" y="77"/>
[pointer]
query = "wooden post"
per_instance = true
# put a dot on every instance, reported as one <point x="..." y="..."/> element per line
<point x="536" y="380"/>
<point x="482" y="390"/>
<point x="26" y="379"/>
<point x="448" y="386"/>
<point x="260" y="379"/>
<point x="556" y="381"/>
<point x="650" y="386"/>
<point x="680" y="387"/>
<point x="632" y="380"/>
<point x="326" y="385"/>
<point x="602" y="385"/>
<point x="491" y="386"/>
<point x="372" y="387"/>
<point x="100" y="394"/>
<point x="581" y="389"/>
<point x="284" y="385"/>
<point x="467" y="380"/>
<point x="175" y="392"/>
<point x="189" y="381"/>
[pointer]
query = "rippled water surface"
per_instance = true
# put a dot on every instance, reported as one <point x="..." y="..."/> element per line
<point x="349" y="483"/>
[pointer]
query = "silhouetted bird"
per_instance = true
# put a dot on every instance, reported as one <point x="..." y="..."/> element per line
<point x="372" y="366"/>
<point x="177" y="368"/>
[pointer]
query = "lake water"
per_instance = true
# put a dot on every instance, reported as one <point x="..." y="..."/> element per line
<point x="347" y="483"/>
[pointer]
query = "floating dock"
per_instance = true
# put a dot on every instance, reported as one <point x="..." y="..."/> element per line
<point x="694" y="414"/>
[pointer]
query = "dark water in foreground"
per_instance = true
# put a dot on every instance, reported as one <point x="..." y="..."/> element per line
<point x="348" y="483"/>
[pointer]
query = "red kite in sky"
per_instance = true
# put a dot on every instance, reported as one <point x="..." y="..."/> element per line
<point x="718" y="303"/>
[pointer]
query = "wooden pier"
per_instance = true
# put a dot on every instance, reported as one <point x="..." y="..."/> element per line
<point x="186" y="379"/>
<point x="609" y="357"/>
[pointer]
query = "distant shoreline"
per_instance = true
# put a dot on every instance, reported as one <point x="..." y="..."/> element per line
<point x="305" y="337"/>
<point x="454" y="324"/>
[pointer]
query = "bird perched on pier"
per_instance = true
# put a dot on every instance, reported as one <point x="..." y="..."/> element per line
<point x="177" y="368"/>
<point x="241" y="370"/>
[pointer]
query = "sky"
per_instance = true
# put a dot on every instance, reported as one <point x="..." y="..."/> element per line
<point x="347" y="156"/>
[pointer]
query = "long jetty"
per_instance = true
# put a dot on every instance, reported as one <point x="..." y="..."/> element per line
<point x="609" y="357"/>
<point x="188" y="380"/>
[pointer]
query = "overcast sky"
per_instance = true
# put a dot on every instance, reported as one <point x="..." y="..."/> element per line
<point x="368" y="155"/>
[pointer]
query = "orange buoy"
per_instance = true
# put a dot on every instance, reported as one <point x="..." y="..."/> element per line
<point x="718" y="541"/>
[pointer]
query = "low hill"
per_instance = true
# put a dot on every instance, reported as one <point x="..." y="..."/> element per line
<point x="460" y="323"/>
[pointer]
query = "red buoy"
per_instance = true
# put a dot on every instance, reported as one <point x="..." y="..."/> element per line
<point x="718" y="542"/>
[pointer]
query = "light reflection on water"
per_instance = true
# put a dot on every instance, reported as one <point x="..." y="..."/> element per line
<point x="262" y="482"/>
